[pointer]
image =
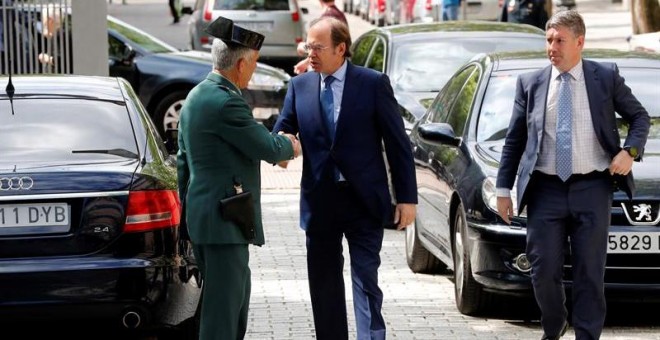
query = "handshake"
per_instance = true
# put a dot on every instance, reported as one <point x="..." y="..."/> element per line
<point x="295" y="143"/>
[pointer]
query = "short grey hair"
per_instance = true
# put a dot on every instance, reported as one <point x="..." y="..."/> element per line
<point x="225" y="57"/>
<point x="570" y="19"/>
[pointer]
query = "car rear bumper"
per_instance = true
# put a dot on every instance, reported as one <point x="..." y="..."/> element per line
<point x="160" y="291"/>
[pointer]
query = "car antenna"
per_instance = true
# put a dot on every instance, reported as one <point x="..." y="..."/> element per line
<point x="10" y="89"/>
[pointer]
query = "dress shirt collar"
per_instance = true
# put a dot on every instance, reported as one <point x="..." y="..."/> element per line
<point x="339" y="75"/>
<point x="576" y="72"/>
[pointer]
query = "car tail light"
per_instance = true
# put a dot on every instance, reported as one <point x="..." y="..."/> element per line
<point x="204" y="40"/>
<point x="295" y="16"/>
<point x="149" y="210"/>
<point x="429" y="5"/>
<point x="208" y="10"/>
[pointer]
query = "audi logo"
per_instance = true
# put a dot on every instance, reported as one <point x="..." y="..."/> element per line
<point x="16" y="183"/>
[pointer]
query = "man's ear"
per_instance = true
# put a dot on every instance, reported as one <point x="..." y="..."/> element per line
<point x="342" y="49"/>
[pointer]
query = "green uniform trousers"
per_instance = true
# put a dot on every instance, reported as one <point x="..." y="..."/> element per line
<point x="226" y="290"/>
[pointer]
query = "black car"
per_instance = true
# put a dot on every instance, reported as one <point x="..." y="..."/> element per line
<point x="89" y="210"/>
<point x="162" y="76"/>
<point x="457" y="146"/>
<point x="419" y="58"/>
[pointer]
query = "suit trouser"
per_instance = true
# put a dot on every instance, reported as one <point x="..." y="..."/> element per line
<point x="325" y="263"/>
<point x="577" y="210"/>
<point x="226" y="290"/>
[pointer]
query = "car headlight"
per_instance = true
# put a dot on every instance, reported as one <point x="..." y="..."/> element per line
<point x="261" y="81"/>
<point x="489" y="194"/>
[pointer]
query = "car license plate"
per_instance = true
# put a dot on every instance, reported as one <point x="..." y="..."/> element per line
<point x="633" y="243"/>
<point x="34" y="215"/>
<point x="259" y="26"/>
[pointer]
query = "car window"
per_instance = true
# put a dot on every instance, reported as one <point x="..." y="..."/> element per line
<point x="143" y="39"/>
<point x="361" y="50"/>
<point x="459" y="112"/>
<point x="412" y="61"/>
<point x="43" y="129"/>
<point x="269" y="5"/>
<point x="445" y="99"/>
<point x="497" y="104"/>
<point x="377" y="58"/>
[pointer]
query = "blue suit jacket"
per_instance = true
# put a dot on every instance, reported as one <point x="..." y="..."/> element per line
<point x="607" y="94"/>
<point x="368" y="118"/>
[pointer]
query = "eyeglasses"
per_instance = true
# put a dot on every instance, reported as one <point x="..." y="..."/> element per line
<point x="316" y="48"/>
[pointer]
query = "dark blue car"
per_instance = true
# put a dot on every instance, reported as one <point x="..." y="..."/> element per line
<point x="457" y="146"/>
<point x="89" y="210"/>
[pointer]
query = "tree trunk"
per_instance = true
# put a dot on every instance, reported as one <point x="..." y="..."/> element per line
<point x="645" y="16"/>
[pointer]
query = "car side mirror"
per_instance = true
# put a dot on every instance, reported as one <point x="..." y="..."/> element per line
<point x="304" y="10"/>
<point x="440" y="133"/>
<point x="186" y="10"/>
<point x="172" y="140"/>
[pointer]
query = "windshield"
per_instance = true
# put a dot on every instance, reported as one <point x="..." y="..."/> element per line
<point x="44" y="130"/>
<point x="425" y="66"/>
<point x="140" y="38"/>
<point x="498" y="102"/>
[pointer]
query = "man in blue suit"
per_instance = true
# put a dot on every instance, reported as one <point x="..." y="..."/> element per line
<point x="344" y="114"/>
<point x="564" y="144"/>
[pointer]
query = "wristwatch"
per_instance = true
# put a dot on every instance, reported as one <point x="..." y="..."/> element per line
<point x="632" y="151"/>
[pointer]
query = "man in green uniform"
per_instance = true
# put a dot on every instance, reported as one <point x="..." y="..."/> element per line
<point x="220" y="144"/>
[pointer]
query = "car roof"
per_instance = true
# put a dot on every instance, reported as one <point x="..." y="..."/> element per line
<point x="506" y="61"/>
<point x="458" y="28"/>
<point x="93" y="87"/>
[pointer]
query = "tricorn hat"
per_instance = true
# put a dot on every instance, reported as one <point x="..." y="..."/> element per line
<point x="232" y="35"/>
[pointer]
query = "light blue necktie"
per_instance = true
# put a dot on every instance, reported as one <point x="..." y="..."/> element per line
<point x="328" y="107"/>
<point x="564" y="147"/>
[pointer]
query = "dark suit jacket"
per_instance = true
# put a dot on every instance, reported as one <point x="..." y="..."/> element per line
<point x="607" y="94"/>
<point x="368" y="117"/>
<point x="218" y="141"/>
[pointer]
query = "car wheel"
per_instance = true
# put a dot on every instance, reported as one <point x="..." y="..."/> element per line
<point x="470" y="297"/>
<point x="419" y="259"/>
<point x="168" y="110"/>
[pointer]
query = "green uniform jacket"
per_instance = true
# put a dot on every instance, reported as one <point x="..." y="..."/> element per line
<point x="219" y="140"/>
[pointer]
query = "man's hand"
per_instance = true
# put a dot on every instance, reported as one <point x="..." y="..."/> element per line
<point x="301" y="67"/>
<point x="404" y="215"/>
<point x="621" y="164"/>
<point x="505" y="208"/>
<point x="295" y="144"/>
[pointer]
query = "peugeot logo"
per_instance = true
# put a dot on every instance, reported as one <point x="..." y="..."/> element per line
<point x="642" y="213"/>
<point x="16" y="183"/>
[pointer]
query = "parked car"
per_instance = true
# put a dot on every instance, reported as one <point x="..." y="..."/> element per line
<point x="280" y="21"/>
<point x="89" y="210"/>
<point x="162" y="76"/>
<point x="419" y="58"/>
<point x="457" y="146"/>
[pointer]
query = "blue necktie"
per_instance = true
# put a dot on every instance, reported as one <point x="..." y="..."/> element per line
<point x="564" y="147"/>
<point x="328" y="107"/>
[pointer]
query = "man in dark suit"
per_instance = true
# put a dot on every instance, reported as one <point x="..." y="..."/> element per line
<point x="344" y="115"/>
<point x="563" y="143"/>
<point x="220" y="146"/>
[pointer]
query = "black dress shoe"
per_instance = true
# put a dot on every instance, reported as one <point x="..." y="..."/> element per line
<point x="556" y="337"/>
